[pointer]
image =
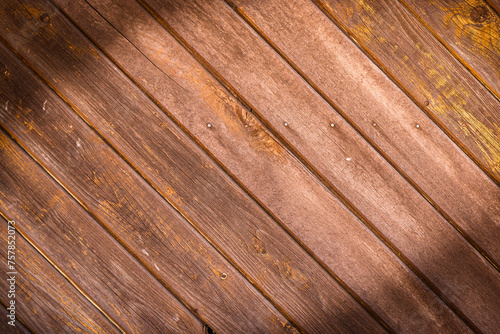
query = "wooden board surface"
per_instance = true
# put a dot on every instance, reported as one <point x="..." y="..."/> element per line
<point x="420" y="152"/>
<point x="276" y="167"/>
<point x="280" y="96"/>
<point x="471" y="29"/>
<point x="337" y="235"/>
<point x="91" y="170"/>
<point x="42" y="290"/>
<point x="19" y="327"/>
<point x="83" y="250"/>
<point x="209" y="199"/>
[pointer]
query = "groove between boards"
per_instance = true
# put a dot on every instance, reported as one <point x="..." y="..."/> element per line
<point x="310" y="167"/>
<point x="83" y="205"/>
<point x="453" y="52"/>
<point x="493" y="7"/>
<point x="149" y="183"/>
<point x="59" y="270"/>
<point x="336" y="193"/>
<point x="232" y="177"/>
<point x="2" y="304"/>
<point x="346" y="31"/>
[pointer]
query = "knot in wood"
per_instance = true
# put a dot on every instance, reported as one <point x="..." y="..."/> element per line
<point x="479" y="14"/>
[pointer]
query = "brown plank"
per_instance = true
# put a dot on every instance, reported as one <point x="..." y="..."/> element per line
<point x="471" y="30"/>
<point x="44" y="299"/>
<point x="495" y="5"/>
<point x="183" y="174"/>
<point x="5" y="328"/>
<point x="436" y="80"/>
<point x="84" y="251"/>
<point x="282" y="184"/>
<point x="424" y="154"/>
<point x="341" y="156"/>
<point x="134" y="213"/>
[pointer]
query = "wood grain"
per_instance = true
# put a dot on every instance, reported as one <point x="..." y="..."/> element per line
<point x="424" y="154"/>
<point x="280" y="96"/>
<point x="134" y="213"/>
<point x="437" y="81"/>
<point x="279" y="181"/>
<point x="19" y="328"/>
<point x="471" y="29"/>
<point x="45" y="300"/>
<point x="183" y="174"/>
<point x="84" y="251"/>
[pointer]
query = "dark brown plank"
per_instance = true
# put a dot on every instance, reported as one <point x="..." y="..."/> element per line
<point x="342" y="157"/>
<point x="44" y="299"/>
<point x="437" y="81"/>
<point x="424" y="154"/>
<point x="83" y="250"/>
<point x="19" y="327"/>
<point x="495" y="5"/>
<point x="183" y="174"/>
<point x="134" y="213"/>
<point x="280" y="182"/>
<point x="471" y="29"/>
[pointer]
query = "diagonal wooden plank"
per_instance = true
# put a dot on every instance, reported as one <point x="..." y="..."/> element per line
<point x="83" y="250"/>
<point x="132" y="211"/>
<point x="45" y="301"/>
<point x="5" y="328"/>
<point x="181" y="172"/>
<point x="423" y="153"/>
<point x="339" y="156"/>
<point x="437" y="82"/>
<point x="282" y="184"/>
<point x="471" y="30"/>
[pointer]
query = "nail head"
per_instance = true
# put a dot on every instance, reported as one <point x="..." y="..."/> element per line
<point x="417" y="126"/>
<point x="332" y="125"/>
<point x="285" y="124"/>
<point x="223" y="276"/>
<point x="209" y="125"/>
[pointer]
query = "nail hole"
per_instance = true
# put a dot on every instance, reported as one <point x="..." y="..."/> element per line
<point x="111" y="125"/>
<point x="263" y="252"/>
<point x="426" y="103"/>
<point x="223" y="276"/>
<point x="45" y="18"/>
<point x="374" y="124"/>
<point x="208" y="330"/>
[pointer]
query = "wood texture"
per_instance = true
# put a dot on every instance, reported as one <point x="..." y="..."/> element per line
<point x="134" y="213"/>
<point x="424" y="154"/>
<point x="205" y="195"/>
<point x="5" y="328"/>
<point x="437" y="81"/>
<point x="42" y="291"/>
<point x="278" y="180"/>
<point x="280" y="96"/>
<point x="83" y="250"/>
<point x="471" y="29"/>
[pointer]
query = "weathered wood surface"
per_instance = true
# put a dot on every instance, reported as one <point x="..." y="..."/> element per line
<point x="135" y="214"/>
<point x="81" y="248"/>
<point x="435" y="79"/>
<point x="45" y="300"/>
<point x="495" y="5"/>
<point x="424" y="154"/>
<point x="342" y="157"/>
<point x="180" y="172"/>
<point x="278" y="180"/>
<point x="5" y="328"/>
<point x="471" y="29"/>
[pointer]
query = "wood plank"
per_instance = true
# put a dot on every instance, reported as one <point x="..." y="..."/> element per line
<point x="44" y="299"/>
<point x="495" y="5"/>
<point x="5" y="328"/>
<point x="182" y="173"/>
<point x="281" y="183"/>
<point x="83" y="250"/>
<point x="437" y="81"/>
<point x="339" y="155"/>
<point x="471" y="30"/>
<point x="424" y="154"/>
<point x="132" y="211"/>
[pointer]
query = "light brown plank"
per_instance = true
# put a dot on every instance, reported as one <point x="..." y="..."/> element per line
<point x="340" y="155"/>
<point x="83" y="250"/>
<point x="471" y="30"/>
<point x="278" y="180"/>
<point x="44" y="299"/>
<point x="133" y="212"/>
<point x="366" y="96"/>
<point x="5" y="328"/>
<point x="436" y="80"/>
<point x="185" y="176"/>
